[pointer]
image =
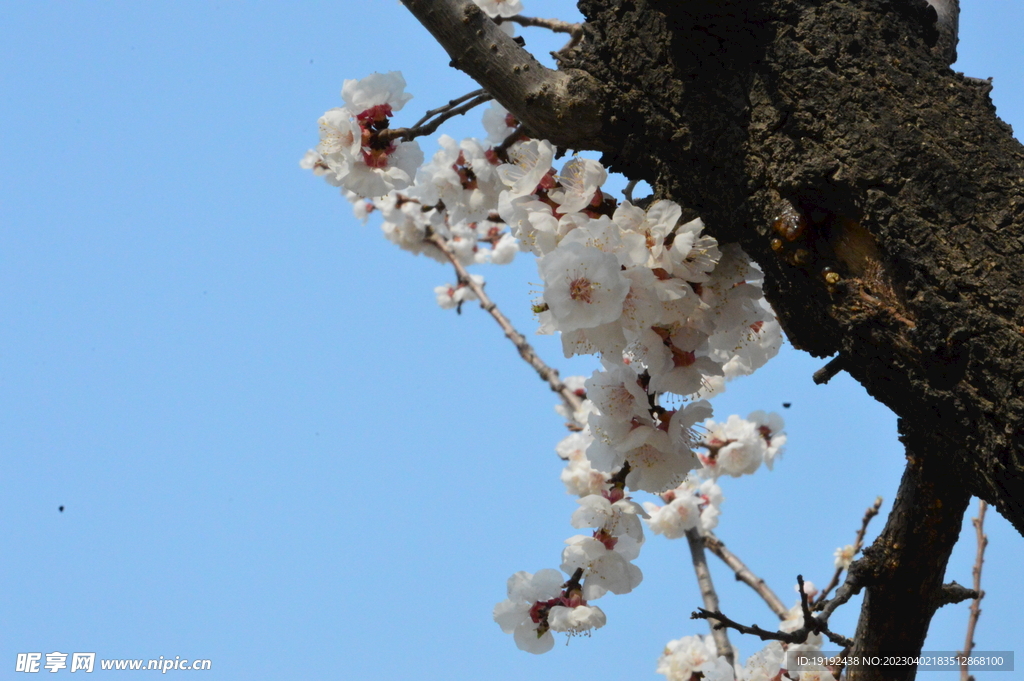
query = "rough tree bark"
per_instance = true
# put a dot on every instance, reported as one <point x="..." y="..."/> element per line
<point x="874" y="185"/>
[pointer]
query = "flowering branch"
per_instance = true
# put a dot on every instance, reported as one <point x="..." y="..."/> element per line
<point x="979" y="558"/>
<point x="858" y="542"/>
<point x="449" y="110"/>
<point x="708" y="594"/>
<point x="526" y="351"/>
<point x="743" y="574"/>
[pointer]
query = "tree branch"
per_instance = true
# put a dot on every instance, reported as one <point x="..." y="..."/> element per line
<point x="828" y="372"/>
<point x="732" y="107"/>
<point x="753" y="630"/>
<point x="813" y="625"/>
<point x="555" y="25"/>
<point x="903" y="569"/>
<point x="708" y="593"/>
<point x="954" y="593"/>
<point x="555" y="105"/>
<point x="979" y="559"/>
<point x="572" y="400"/>
<point x="743" y="574"/>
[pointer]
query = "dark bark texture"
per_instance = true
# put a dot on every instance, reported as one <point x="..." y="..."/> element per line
<point x="877" y="189"/>
<point x="874" y="185"/>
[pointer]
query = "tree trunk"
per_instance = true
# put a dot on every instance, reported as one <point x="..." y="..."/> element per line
<point x="904" y="252"/>
<point x="877" y="189"/>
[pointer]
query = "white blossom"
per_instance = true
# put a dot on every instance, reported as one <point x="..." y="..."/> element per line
<point x="604" y="569"/>
<point x="514" y="616"/>
<point x="576" y="620"/>
<point x="500" y="8"/>
<point x="687" y="656"/>
<point x="578" y="184"/>
<point x="377" y="89"/>
<point x="531" y="162"/>
<point x="844" y="556"/>
<point x="583" y="287"/>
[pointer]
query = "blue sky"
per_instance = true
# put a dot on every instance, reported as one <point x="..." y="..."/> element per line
<point x="273" y="449"/>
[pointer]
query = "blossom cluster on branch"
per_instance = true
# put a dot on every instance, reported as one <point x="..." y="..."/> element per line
<point x="671" y="313"/>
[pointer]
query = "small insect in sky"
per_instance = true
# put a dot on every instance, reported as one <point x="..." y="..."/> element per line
<point x="60" y="508"/>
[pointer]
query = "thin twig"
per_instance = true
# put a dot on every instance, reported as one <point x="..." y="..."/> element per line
<point x="805" y="605"/>
<point x="556" y="25"/>
<point x="572" y="401"/>
<point x="743" y="574"/>
<point x="447" y="107"/>
<point x="708" y="594"/>
<point x="576" y="39"/>
<point x="850" y="588"/>
<point x="420" y="130"/>
<point x="812" y="624"/>
<point x="763" y="634"/>
<point x="953" y="593"/>
<point x="827" y="372"/>
<point x="798" y="636"/>
<point x="979" y="559"/>
<point x="628" y="191"/>
<point x="857" y="544"/>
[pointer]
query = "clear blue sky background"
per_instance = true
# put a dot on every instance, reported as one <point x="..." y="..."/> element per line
<point x="273" y="449"/>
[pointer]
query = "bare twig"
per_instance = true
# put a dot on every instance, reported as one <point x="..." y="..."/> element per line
<point x="979" y="559"/>
<point x="850" y="588"/>
<point x="576" y="39"/>
<point x="805" y="605"/>
<point x="743" y="574"/>
<point x="827" y="372"/>
<point x="812" y="624"/>
<point x="447" y="107"/>
<point x="798" y="636"/>
<point x="628" y="191"/>
<point x="764" y="634"/>
<point x="857" y="544"/>
<point x="572" y="400"/>
<point x="556" y="25"/>
<point x="953" y="593"/>
<point x="707" y="592"/>
<point x="419" y="130"/>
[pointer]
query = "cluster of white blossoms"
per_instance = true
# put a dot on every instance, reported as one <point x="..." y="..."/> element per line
<point x="354" y="151"/>
<point x="739" y="446"/>
<point x="541" y="603"/>
<point x="694" y="505"/>
<point x="598" y="562"/>
<point x="694" y="657"/>
<point x="672" y="314"/>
